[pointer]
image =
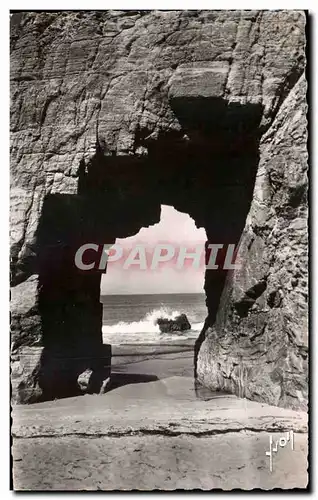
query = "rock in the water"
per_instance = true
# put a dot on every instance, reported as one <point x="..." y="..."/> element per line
<point x="179" y="324"/>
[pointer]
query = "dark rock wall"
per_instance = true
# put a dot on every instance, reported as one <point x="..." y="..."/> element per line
<point x="258" y="345"/>
<point x="114" y="113"/>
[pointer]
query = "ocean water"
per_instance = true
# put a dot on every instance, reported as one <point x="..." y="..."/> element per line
<point x="132" y="318"/>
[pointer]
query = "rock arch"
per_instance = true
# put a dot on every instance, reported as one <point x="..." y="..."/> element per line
<point x="206" y="113"/>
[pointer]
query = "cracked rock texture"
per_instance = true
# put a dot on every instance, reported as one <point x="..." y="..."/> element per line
<point x="258" y="345"/>
<point x="129" y="78"/>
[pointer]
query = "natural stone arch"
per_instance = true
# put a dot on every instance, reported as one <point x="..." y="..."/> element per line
<point x="244" y="83"/>
<point x="195" y="170"/>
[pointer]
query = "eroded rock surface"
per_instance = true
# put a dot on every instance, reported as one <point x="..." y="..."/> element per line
<point x="178" y="324"/>
<point x="258" y="345"/>
<point x="120" y="111"/>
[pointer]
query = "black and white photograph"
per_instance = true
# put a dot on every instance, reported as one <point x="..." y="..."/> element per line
<point x="159" y="243"/>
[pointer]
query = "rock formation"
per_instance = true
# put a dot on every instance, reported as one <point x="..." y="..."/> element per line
<point x="258" y="345"/>
<point x="178" y="324"/>
<point x="114" y="113"/>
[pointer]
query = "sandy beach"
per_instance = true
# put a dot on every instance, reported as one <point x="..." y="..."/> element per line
<point x="155" y="429"/>
<point x="150" y="362"/>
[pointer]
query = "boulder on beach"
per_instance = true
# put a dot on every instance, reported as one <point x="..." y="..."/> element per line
<point x="84" y="380"/>
<point x="178" y="324"/>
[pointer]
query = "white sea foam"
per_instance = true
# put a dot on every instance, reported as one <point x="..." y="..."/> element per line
<point x="146" y="329"/>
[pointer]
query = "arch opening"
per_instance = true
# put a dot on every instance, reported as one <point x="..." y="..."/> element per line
<point x="206" y="170"/>
<point x="155" y="275"/>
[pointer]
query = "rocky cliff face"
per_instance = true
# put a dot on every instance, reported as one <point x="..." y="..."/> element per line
<point x="114" y="113"/>
<point x="258" y="345"/>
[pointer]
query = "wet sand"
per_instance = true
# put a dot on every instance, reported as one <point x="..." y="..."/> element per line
<point x="148" y="362"/>
<point x="155" y="429"/>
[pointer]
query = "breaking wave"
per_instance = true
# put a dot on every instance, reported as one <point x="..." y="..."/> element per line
<point x="147" y="324"/>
